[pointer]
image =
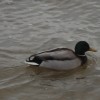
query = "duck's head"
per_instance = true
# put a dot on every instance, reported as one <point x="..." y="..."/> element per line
<point x="82" y="47"/>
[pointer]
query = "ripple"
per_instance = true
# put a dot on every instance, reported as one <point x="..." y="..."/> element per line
<point x="29" y="26"/>
<point x="15" y="76"/>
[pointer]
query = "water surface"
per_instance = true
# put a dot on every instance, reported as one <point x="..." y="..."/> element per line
<point x="31" y="26"/>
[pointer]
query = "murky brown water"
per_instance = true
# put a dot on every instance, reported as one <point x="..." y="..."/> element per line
<point x="30" y="26"/>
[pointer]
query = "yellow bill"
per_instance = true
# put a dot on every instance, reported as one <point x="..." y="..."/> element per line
<point x="93" y="50"/>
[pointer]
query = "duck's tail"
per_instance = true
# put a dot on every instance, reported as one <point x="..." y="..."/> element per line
<point x="33" y="60"/>
<point x="31" y="63"/>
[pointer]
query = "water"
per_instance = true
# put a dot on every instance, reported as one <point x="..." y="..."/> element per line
<point x="31" y="26"/>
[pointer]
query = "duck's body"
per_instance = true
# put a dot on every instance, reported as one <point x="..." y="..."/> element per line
<point x="60" y="59"/>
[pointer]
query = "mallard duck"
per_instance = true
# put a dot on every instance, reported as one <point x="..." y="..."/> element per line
<point x="61" y="58"/>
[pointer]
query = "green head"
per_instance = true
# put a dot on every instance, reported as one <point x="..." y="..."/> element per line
<point x="82" y="47"/>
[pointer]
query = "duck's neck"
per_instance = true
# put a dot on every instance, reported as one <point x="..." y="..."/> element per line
<point x="83" y="58"/>
<point x="80" y="53"/>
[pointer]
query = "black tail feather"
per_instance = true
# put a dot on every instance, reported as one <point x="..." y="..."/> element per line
<point x="35" y="59"/>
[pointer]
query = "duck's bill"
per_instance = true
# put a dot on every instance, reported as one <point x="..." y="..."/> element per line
<point x="93" y="50"/>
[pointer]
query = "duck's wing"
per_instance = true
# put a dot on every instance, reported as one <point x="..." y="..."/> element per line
<point x="55" y="54"/>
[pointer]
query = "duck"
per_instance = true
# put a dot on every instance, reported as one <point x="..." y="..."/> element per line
<point x="61" y="58"/>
